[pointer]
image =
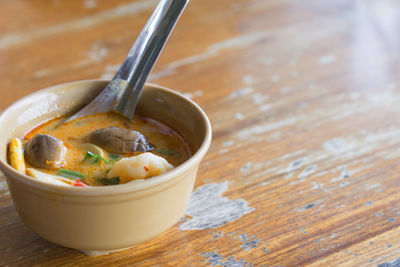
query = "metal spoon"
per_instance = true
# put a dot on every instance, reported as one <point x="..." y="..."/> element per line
<point x="123" y="91"/>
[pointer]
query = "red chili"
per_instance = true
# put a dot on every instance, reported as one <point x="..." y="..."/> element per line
<point x="78" y="182"/>
<point x="147" y="169"/>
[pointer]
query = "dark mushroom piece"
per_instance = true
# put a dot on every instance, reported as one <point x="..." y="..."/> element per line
<point x="119" y="140"/>
<point x="45" y="151"/>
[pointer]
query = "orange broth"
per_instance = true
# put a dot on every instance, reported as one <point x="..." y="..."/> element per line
<point x="167" y="143"/>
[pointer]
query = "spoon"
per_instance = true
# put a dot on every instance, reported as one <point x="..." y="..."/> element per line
<point x="123" y="91"/>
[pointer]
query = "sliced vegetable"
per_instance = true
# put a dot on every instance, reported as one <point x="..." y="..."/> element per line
<point x="94" y="157"/>
<point x="16" y="155"/>
<point x="78" y="183"/>
<point x="109" y="181"/>
<point x="48" y="178"/>
<point x="70" y="174"/>
<point x="92" y="148"/>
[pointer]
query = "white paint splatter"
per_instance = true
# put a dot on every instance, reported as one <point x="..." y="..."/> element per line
<point x="110" y="71"/>
<point x="97" y="52"/>
<point x="160" y="74"/>
<point x="250" y="244"/>
<point x="290" y="176"/>
<point x="325" y="238"/>
<point x="344" y="173"/>
<point x="213" y="50"/>
<point x="265" y="183"/>
<point x="316" y="185"/>
<point x="293" y="154"/>
<point x="303" y="104"/>
<point x="267" y="61"/>
<point x="248" y="79"/>
<point x="294" y="73"/>
<point x="16" y="38"/>
<point x="287" y="90"/>
<point x="240" y="41"/>
<point x="310" y="206"/>
<point x="171" y="67"/>
<point x="276" y="136"/>
<point x="355" y="96"/>
<point x="239" y="116"/>
<point x="295" y="165"/>
<point x="241" y="92"/>
<point x="275" y="78"/>
<point x="94" y="55"/>
<point x="215" y="259"/>
<point x="312" y="86"/>
<point x="246" y="167"/>
<point x="259" y="98"/>
<point x="384" y="97"/>
<point x="217" y="234"/>
<point x="90" y="4"/>
<point x="336" y="146"/>
<point x="323" y="173"/>
<point x="223" y="151"/>
<point x="393" y="263"/>
<point x="309" y="170"/>
<point x="372" y="186"/>
<point x="209" y="209"/>
<point x="261" y="129"/>
<point x="327" y="59"/>
<point x="265" y="107"/>
<point x="198" y="93"/>
<point x="228" y="143"/>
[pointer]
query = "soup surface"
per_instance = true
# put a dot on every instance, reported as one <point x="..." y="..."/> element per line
<point x="92" y="167"/>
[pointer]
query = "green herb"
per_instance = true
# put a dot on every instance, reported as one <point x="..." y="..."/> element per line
<point x="109" y="181"/>
<point x="70" y="174"/>
<point x="95" y="157"/>
<point x="168" y="152"/>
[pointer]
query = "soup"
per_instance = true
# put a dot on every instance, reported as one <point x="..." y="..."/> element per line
<point x="99" y="149"/>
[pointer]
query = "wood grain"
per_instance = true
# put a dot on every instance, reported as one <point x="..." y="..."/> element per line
<point x="303" y="98"/>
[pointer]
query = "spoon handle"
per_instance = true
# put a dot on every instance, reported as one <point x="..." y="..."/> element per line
<point x="123" y="91"/>
<point x="144" y="53"/>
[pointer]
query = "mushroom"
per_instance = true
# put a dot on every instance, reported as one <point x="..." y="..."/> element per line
<point x="119" y="140"/>
<point x="45" y="151"/>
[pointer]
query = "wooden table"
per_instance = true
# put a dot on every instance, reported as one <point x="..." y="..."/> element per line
<point x="304" y="99"/>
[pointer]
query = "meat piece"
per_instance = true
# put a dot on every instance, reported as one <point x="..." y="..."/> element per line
<point x="45" y="151"/>
<point x="119" y="140"/>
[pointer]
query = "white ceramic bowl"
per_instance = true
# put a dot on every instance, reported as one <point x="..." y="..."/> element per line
<point x="109" y="218"/>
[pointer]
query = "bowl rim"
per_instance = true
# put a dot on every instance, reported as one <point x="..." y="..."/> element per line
<point x="134" y="186"/>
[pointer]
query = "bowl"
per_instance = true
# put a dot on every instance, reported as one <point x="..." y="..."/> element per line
<point x="99" y="220"/>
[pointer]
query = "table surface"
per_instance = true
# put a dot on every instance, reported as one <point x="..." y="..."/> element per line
<point x="303" y="97"/>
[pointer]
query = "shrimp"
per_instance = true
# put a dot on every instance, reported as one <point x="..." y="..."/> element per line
<point x="142" y="166"/>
